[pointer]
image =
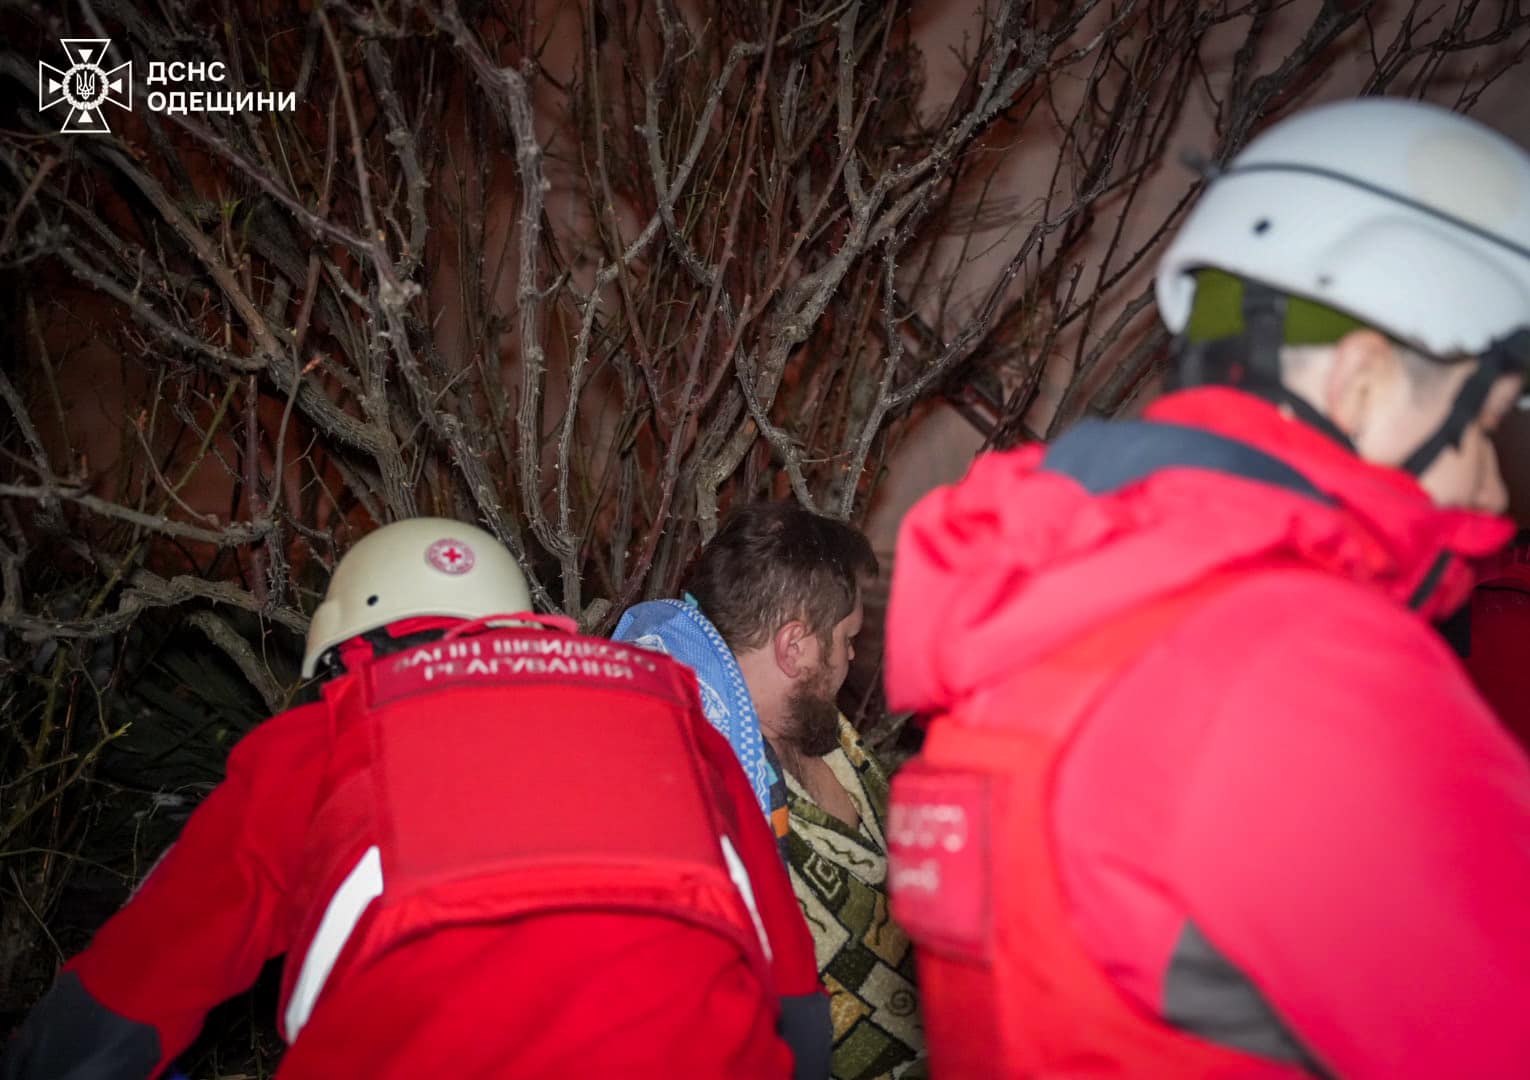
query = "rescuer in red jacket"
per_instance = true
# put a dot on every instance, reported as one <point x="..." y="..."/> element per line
<point x="492" y="849"/>
<point x="1204" y="793"/>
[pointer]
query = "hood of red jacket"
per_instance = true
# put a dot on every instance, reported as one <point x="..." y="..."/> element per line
<point x="1016" y="560"/>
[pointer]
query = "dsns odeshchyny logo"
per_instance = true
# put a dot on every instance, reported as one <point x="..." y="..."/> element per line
<point x="86" y="86"/>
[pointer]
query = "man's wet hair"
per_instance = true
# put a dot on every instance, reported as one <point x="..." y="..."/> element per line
<point x="771" y="563"/>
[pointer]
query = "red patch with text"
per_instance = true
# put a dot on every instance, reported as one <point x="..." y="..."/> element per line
<point x="510" y="657"/>
<point x="938" y="859"/>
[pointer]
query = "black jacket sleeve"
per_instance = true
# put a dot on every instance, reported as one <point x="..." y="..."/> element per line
<point x="69" y="1035"/>
<point x="808" y="1030"/>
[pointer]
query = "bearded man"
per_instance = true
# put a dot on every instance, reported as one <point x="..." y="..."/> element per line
<point x="777" y="592"/>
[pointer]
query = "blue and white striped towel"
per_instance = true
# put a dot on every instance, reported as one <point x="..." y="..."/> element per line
<point x="679" y="629"/>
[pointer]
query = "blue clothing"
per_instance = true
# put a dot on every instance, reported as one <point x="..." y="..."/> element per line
<point x="680" y="630"/>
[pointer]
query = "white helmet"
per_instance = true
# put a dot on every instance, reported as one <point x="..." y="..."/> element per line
<point x="1412" y="219"/>
<point x="423" y="566"/>
<point x="1387" y="213"/>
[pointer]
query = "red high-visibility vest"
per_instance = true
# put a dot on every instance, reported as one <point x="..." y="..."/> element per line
<point x="570" y="777"/>
<point x="1006" y="988"/>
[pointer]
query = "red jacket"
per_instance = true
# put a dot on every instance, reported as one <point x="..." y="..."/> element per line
<point x="1289" y="826"/>
<point x="516" y="853"/>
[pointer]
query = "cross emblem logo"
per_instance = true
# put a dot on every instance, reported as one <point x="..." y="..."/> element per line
<point x="86" y="86"/>
<point x="451" y="556"/>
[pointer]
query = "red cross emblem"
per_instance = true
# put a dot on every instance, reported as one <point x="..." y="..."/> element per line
<point x="451" y="556"/>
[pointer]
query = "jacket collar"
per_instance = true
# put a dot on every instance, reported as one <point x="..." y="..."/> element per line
<point x="1371" y="522"/>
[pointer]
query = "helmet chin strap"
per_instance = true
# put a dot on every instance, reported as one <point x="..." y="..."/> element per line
<point x="1504" y="356"/>
<point x="1251" y="361"/>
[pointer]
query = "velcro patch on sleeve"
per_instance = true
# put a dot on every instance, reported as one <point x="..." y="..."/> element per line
<point x="938" y="859"/>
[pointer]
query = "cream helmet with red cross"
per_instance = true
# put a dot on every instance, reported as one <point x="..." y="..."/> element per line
<point x="422" y="566"/>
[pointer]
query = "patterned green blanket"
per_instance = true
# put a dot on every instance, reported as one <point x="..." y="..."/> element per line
<point x="866" y="962"/>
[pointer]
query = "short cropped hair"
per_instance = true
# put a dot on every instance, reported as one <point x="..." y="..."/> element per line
<point x="1426" y="376"/>
<point x="771" y="563"/>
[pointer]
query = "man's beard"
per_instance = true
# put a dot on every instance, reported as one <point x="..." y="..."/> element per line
<point x="812" y="716"/>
